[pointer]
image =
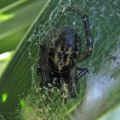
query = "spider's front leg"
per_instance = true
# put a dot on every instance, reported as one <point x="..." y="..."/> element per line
<point x="89" y="39"/>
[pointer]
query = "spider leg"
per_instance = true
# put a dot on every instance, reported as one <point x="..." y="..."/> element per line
<point x="72" y="86"/>
<point x="42" y="68"/>
<point x="81" y="72"/>
<point x="75" y="75"/>
<point x="86" y="25"/>
<point x="42" y="48"/>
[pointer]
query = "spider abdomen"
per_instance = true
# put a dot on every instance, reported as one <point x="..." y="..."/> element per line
<point x="64" y="51"/>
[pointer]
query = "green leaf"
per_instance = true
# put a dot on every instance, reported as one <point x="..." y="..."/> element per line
<point x="27" y="15"/>
<point x="103" y="82"/>
<point x="15" y="20"/>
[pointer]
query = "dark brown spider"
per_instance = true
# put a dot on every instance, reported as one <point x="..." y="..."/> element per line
<point x="57" y="63"/>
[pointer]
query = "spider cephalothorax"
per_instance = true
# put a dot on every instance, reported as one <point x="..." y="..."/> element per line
<point x="57" y="64"/>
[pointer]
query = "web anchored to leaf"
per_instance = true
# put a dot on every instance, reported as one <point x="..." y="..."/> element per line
<point x="103" y="77"/>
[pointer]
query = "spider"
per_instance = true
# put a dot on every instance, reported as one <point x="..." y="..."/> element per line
<point x="57" y="65"/>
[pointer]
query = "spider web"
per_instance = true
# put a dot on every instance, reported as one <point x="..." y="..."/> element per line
<point x="60" y="17"/>
<point x="104" y="20"/>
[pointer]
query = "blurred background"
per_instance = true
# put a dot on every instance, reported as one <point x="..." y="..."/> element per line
<point x="14" y="22"/>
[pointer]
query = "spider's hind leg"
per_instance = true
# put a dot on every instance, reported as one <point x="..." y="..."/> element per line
<point x="81" y="72"/>
<point x="75" y="75"/>
<point x="72" y="86"/>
